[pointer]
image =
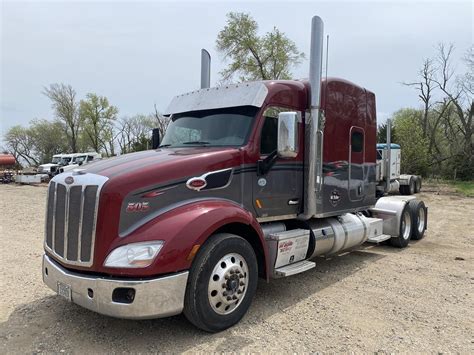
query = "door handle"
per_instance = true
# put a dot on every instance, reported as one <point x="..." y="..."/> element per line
<point x="293" y="201"/>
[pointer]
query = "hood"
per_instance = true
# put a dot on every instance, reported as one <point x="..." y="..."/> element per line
<point x="139" y="170"/>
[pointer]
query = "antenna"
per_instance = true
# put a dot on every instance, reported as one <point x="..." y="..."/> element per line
<point x="326" y="84"/>
<point x="327" y="56"/>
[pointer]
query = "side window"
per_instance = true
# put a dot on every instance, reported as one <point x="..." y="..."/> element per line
<point x="357" y="142"/>
<point x="269" y="134"/>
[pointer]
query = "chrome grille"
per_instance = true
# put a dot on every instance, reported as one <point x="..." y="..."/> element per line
<point x="71" y="215"/>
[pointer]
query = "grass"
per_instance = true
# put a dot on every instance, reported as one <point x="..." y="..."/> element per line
<point x="464" y="187"/>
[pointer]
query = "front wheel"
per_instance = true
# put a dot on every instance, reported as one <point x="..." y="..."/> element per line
<point x="222" y="283"/>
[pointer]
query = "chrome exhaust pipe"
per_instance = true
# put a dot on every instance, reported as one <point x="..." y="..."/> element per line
<point x="205" y="69"/>
<point x="312" y="122"/>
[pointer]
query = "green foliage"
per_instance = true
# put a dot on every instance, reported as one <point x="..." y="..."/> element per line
<point x="254" y="57"/>
<point x="464" y="187"/>
<point x="48" y="138"/>
<point x="37" y="143"/>
<point x="409" y="135"/>
<point x="97" y="117"/>
<point x="382" y="134"/>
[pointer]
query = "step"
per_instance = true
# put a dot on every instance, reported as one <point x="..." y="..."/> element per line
<point x="379" y="239"/>
<point x="295" y="268"/>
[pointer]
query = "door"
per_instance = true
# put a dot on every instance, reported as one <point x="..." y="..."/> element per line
<point x="356" y="164"/>
<point x="279" y="191"/>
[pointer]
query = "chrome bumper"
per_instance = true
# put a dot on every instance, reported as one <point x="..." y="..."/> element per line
<point x="155" y="298"/>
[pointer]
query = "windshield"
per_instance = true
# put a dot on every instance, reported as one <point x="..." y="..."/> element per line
<point x="55" y="160"/>
<point x="65" y="160"/>
<point x="219" y="127"/>
<point x="80" y="159"/>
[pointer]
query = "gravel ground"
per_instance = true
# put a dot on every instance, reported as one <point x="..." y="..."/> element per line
<point x="376" y="299"/>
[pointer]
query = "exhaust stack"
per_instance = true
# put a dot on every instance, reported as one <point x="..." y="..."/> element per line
<point x="313" y="177"/>
<point x="388" y="162"/>
<point x="205" y="69"/>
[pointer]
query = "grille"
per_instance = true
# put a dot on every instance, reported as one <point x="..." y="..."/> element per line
<point x="70" y="221"/>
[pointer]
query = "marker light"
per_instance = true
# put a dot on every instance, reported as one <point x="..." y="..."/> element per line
<point x="135" y="255"/>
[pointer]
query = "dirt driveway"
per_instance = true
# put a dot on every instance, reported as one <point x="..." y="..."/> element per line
<point x="375" y="299"/>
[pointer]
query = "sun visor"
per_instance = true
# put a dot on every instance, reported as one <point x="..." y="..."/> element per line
<point x="245" y="94"/>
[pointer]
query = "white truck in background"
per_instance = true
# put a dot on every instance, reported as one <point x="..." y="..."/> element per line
<point x="67" y="162"/>
<point x="388" y="171"/>
<point x="79" y="159"/>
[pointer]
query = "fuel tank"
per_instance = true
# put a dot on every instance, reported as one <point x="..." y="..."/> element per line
<point x="337" y="234"/>
<point x="7" y="160"/>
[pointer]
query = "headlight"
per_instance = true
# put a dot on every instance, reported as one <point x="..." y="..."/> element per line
<point x="134" y="255"/>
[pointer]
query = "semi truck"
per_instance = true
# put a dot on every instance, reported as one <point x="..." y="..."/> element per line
<point x="251" y="181"/>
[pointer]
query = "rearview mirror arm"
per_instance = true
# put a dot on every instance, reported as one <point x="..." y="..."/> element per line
<point x="264" y="165"/>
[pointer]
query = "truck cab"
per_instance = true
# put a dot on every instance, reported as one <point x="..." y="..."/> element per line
<point x="250" y="181"/>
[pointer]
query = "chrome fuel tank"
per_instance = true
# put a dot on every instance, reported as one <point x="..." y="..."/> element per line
<point x="337" y="234"/>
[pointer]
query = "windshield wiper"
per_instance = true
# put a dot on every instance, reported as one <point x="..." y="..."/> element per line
<point x="197" y="142"/>
<point x="164" y="145"/>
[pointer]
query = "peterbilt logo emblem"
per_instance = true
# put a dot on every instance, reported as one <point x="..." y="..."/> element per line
<point x="335" y="197"/>
<point x="137" y="206"/>
<point x="69" y="180"/>
<point x="196" y="183"/>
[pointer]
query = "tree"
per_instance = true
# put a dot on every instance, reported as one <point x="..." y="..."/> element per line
<point x="161" y="122"/>
<point x="448" y="107"/>
<point x="48" y="138"/>
<point x="135" y="133"/>
<point x="36" y="143"/>
<point x="253" y="57"/>
<point x="409" y="134"/>
<point x="64" y="104"/>
<point x="98" y="116"/>
<point x="20" y="143"/>
<point x="382" y="133"/>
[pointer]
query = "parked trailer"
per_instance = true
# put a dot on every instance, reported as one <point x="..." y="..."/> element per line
<point x="250" y="180"/>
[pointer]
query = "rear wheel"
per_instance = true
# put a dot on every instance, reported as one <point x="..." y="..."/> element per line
<point x="418" y="184"/>
<point x="419" y="219"/>
<point x="408" y="189"/>
<point x="222" y="283"/>
<point x="404" y="235"/>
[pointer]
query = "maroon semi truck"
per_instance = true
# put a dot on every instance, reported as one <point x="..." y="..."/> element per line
<point x="252" y="180"/>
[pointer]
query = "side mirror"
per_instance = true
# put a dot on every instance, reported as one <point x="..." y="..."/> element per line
<point x="80" y="163"/>
<point x="155" y="138"/>
<point x="287" y="134"/>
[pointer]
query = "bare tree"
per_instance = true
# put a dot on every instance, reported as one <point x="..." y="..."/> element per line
<point x="64" y="103"/>
<point x="134" y="132"/>
<point x="20" y="143"/>
<point x="460" y="103"/>
<point x="161" y="121"/>
<point x="425" y="86"/>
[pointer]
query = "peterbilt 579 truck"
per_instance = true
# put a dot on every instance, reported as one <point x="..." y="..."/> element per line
<point x="252" y="180"/>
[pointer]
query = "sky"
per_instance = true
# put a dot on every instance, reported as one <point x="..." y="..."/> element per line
<point x="138" y="54"/>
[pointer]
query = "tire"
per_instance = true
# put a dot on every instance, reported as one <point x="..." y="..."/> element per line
<point x="418" y="184"/>
<point x="225" y="267"/>
<point x="408" y="189"/>
<point x="405" y="232"/>
<point x="419" y="218"/>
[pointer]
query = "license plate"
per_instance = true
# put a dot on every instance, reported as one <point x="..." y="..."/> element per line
<point x="64" y="291"/>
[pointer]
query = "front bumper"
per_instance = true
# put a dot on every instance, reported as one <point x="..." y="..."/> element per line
<point x="155" y="298"/>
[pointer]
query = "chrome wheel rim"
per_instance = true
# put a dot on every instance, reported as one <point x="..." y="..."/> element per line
<point x="421" y="220"/>
<point x="228" y="283"/>
<point x="406" y="225"/>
